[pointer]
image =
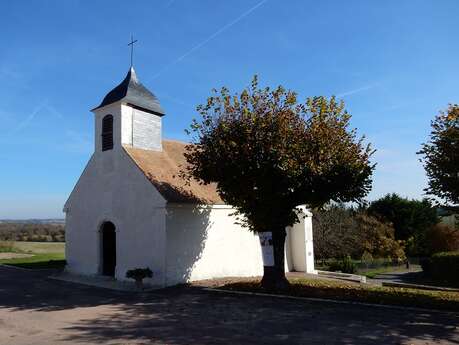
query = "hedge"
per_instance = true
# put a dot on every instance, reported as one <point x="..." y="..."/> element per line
<point x="442" y="267"/>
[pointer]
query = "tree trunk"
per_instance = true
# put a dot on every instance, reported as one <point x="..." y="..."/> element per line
<point x="274" y="276"/>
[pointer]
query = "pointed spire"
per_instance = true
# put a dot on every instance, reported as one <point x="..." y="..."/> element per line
<point x="133" y="75"/>
<point x="131" y="91"/>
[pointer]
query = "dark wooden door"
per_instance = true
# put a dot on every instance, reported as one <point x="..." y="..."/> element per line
<point x="108" y="249"/>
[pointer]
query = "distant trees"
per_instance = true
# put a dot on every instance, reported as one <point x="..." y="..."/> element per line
<point x="341" y="231"/>
<point x="408" y="217"/>
<point x="441" y="157"/>
<point x="268" y="153"/>
<point x="32" y="232"/>
<point x="411" y="219"/>
<point x="335" y="232"/>
<point x="390" y="227"/>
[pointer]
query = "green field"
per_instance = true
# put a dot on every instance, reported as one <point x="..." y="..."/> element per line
<point x="40" y="247"/>
<point x="43" y="254"/>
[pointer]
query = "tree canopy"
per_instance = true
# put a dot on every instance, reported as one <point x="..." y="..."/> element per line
<point x="408" y="217"/>
<point x="268" y="153"/>
<point x="441" y="157"/>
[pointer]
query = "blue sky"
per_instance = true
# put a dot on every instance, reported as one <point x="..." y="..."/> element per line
<point x="395" y="63"/>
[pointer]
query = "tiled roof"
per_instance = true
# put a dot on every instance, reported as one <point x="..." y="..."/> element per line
<point x="163" y="169"/>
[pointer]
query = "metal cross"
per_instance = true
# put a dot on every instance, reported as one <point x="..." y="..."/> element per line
<point x="132" y="47"/>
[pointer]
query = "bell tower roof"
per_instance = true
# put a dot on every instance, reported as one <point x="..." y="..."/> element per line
<point x="131" y="91"/>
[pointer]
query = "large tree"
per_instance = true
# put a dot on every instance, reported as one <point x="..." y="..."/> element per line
<point x="441" y="157"/>
<point x="269" y="153"/>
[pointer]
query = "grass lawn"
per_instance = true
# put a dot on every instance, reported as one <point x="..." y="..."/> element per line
<point x="40" y="247"/>
<point x="355" y="292"/>
<point x="44" y="254"/>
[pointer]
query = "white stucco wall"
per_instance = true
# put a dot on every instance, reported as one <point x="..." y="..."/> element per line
<point x="114" y="110"/>
<point x="204" y="242"/>
<point x="113" y="189"/>
<point x="300" y="242"/>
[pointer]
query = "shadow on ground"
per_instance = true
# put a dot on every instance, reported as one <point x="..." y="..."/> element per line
<point x="186" y="315"/>
<point x="412" y="277"/>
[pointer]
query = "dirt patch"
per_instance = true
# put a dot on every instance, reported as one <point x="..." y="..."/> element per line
<point x="5" y="256"/>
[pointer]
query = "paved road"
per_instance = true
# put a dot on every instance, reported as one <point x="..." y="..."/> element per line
<point x="35" y="310"/>
<point x="412" y="276"/>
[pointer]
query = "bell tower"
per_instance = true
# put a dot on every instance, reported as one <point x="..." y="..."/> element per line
<point x="128" y="115"/>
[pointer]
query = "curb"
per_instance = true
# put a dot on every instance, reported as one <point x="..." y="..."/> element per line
<point x="327" y="300"/>
<point x="419" y="287"/>
<point x="343" y="276"/>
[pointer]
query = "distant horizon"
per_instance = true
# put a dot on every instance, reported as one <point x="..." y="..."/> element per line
<point x="44" y="220"/>
<point x="393" y="63"/>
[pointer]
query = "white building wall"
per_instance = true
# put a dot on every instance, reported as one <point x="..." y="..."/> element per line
<point x="203" y="242"/>
<point x="113" y="189"/>
<point x="114" y="110"/>
<point x="126" y="124"/>
<point x="300" y="242"/>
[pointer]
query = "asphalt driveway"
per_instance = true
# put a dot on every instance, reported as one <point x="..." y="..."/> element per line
<point x="36" y="310"/>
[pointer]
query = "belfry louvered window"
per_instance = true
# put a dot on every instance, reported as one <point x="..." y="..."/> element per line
<point x="107" y="133"/>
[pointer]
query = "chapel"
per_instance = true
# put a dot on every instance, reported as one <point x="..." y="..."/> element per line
<point x="131" y="208"/>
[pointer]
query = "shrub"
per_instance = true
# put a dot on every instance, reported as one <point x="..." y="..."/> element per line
<point x="340" y="231"/>
<point x="377" y="238"/>
<point x="443" y="267"/>
<point x="367" y="259"/>
<point x="345" y="265"/>
<point x="139" y="274"/>
<point x="442" y="238"/>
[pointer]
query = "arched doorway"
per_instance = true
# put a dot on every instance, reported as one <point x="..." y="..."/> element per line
<point x="108" y="241"/>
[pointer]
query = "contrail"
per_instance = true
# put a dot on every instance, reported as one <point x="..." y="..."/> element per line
<point x="360" y="89"/>
<point x="215" y="34"/>
<point x="29" y="118"/>
<point x="33" y="114"/>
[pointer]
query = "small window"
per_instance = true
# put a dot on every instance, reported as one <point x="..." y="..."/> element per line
<point x="107" y="133"/>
